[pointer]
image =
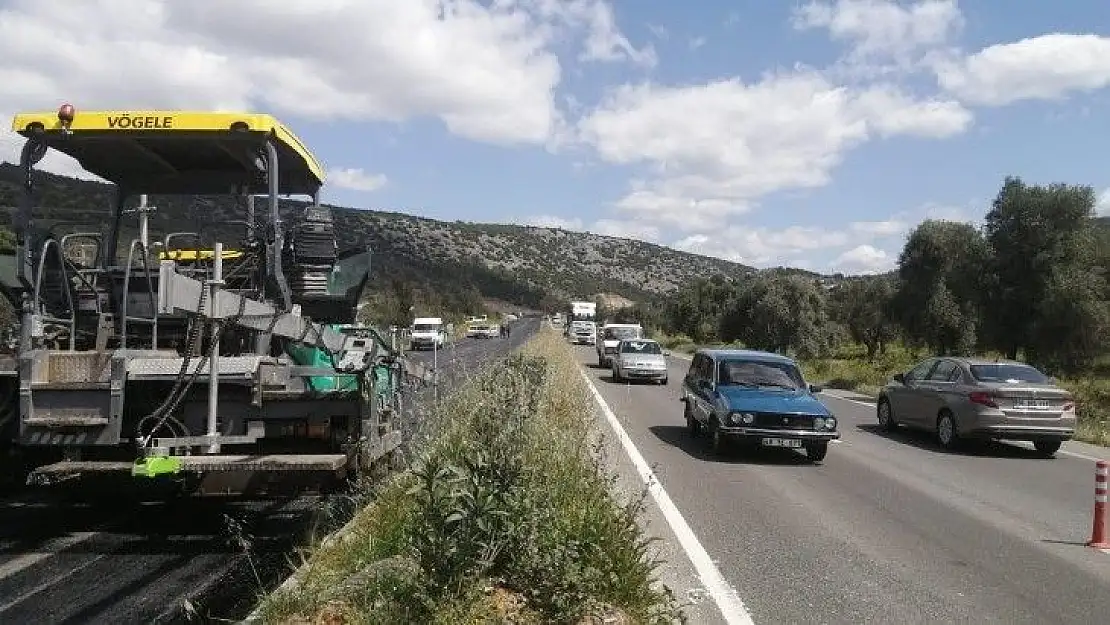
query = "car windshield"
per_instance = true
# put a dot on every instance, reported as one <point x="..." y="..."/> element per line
<point x="759" y="373"/>
<point x="1008" y="373"/>
<point x="425" y="327"/>
<point x="640" y="347"/>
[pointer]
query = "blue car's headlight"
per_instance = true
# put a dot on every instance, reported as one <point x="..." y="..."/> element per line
<point x="824" y="423"/>
<point x="741" y="418"/>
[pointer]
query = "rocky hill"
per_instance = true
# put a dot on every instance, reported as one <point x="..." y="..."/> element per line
<point x="514" y="263"/>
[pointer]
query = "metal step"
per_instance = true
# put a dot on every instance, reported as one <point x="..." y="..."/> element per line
<point x="67" y="422"/>
<point x="270" y="462"/>
<point x="204" y="464"/>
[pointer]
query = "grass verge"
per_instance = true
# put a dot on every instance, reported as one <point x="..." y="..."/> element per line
<point x="849" y="369"/>
<point x="506" y="516"/>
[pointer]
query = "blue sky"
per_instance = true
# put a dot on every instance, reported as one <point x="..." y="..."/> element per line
<point x="804" y="133"/>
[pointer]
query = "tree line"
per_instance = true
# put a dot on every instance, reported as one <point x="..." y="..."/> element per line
<point x="1029" y="283"/>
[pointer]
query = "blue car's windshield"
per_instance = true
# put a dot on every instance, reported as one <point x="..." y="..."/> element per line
<point x="759" y="374"/>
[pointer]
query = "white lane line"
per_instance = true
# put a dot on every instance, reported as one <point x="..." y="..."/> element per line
<point x="728" y="602"/>
<point x="1065" y="452"/>
<point x="50" y="583"/>
<point x="51" y="548"/>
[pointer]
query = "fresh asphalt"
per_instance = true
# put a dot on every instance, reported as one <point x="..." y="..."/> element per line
<point x="888" y="529"/>
<point x="109" y="561"/>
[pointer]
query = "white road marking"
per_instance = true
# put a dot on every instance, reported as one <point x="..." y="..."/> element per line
<point x="49" y="549"/>
<point x="50" y="583"/>
<point x="728" y="601"/>
<point x="1065" y="452"/>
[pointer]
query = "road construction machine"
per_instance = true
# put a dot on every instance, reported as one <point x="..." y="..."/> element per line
<point x="235" y="352"/>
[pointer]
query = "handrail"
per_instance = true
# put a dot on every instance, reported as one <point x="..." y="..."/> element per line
<point x="153" y="321"/>
<point x="83" y="273"/>
<point x="72" y="321"/>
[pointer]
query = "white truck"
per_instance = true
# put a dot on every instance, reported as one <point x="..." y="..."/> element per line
<point x="428" y="333"/>
<point x="611" y="334"/>
<point x="581" y="326"/>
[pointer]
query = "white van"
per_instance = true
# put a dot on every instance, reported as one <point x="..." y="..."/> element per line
<point x="428" y="333"/>
<point x="610" y="335"/>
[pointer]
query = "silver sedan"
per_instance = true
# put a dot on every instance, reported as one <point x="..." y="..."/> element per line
<point x="639" y="359"/>
<point x="971" y="398"/>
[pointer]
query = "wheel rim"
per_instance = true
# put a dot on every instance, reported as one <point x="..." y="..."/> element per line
<point x="945" y="430"/>
<point x="884" y="413"/>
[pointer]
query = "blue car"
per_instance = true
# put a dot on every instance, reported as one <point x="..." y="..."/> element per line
<point x="757" y="397"/>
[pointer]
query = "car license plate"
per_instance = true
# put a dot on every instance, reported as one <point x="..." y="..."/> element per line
<point x="782" y="442"/>
<point x="1032" y="404"/>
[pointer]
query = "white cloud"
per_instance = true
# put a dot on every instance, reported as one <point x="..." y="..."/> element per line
<point x="604" y="41"/>
<point x="883" y="27"/>
<point x="863" y="259"/>
<point x="1047" y="67"/>
<point x="894" y="113"/>
<point x="487" y="71"/>
<point x="886" y="228"/>
<point x="697" y="42"/>
<point x="625" y="229"/>
<point x="356" y="179"/>
<point x="716" y="148"/>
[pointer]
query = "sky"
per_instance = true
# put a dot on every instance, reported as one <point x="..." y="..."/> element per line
<point x="805" y="133"/>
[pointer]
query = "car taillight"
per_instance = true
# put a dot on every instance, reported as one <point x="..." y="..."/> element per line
<point x="983" y="399"/>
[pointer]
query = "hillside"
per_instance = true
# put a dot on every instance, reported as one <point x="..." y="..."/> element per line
<point x="515" y="263"/>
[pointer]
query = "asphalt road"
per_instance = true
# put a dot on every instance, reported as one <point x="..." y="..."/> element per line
<point x="888" y="529"/>
<point x="132" y="561"/>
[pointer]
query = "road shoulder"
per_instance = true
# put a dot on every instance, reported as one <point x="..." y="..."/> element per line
<point x="677" y="571"/>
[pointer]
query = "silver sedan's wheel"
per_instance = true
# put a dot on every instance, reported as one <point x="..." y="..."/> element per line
<point x="946" y="430"/>
<point x="885" y="415"/>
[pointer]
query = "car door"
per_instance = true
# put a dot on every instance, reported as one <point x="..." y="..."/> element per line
<point x="905" y="399"/>
<point x="698" y="392"/>
<point x="690" y="383"/>
<point x="935" y="389"/>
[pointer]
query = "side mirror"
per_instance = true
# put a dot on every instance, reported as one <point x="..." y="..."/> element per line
<point x="900" y="378"/>
<point x="813" y="388"/>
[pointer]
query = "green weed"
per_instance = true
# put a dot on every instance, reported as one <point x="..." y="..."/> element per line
<point x="506" y="516"/>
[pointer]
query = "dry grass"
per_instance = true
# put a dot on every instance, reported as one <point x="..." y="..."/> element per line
<point x="506" y="517"/>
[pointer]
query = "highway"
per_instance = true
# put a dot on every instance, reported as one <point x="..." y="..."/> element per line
<point x="128" y="561"/>
<point x="888" y="529"/>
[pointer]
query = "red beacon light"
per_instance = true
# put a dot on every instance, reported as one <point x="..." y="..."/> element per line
<point x="65" y="115"/>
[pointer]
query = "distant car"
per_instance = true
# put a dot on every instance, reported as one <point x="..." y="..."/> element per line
<point x="639" y="359"/>
<point x="757" y="397"/>
<point x="611" y="335"/>
<point x="482" y="331"/>
<point x="972" y="398"/>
